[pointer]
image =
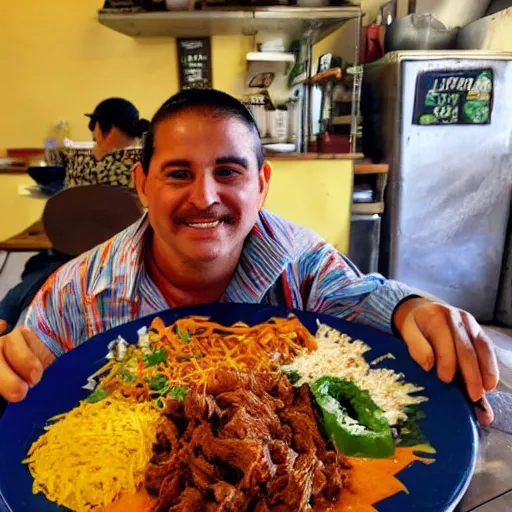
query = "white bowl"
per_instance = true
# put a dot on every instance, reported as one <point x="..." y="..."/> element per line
<point x="280" y="148"/>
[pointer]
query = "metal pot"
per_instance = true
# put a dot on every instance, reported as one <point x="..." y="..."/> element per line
<point x="453" y="13"/>
<point x="419" y="32"/>
<point x="497" y="6"/>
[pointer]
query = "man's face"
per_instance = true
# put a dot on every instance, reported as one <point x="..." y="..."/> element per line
<point x="203" y="190"/>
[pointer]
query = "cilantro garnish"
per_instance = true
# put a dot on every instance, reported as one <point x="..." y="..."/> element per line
<point x="155" y="357"/>
<point x="293" y="376"/>
<point x="183" y="336"/>
<point x="159" y="384"/>
<point x="97" y="395"/>
<point x="178" y="392"/>
<point x="409" y="432"/>
<point x="126" y="375"/>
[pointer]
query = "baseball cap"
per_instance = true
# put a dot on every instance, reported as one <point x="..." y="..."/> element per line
<point x="115" y="112"/>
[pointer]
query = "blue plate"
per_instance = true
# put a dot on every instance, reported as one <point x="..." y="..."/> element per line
<point x="449" y="426"/>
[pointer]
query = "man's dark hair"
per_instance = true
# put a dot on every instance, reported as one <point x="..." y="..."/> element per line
<point x="216" y="101"/>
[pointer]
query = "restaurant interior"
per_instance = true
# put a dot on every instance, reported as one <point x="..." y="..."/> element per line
<point x="387" y="125"/>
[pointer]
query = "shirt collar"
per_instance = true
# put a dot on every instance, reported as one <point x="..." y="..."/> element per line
<point x="267" y="250"/>
<point x="124" y="254"/>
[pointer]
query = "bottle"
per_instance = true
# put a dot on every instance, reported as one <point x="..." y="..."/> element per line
<point x="59" y="137"/>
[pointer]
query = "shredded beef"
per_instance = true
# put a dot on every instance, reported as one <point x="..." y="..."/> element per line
<point x="294" y="488"/>
<point x="199" y="406"/>
<point x="244" y="426"/>
<point x="228" y="497"/>
<point x="261" y="506"/>
<point x="191" y="500"/>
<point x="300" y="416"/>
<point x="245" y="442"/>
<point x="202" y="472"/>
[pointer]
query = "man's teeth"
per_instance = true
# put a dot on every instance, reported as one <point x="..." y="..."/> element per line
<point x="203" y="225"/>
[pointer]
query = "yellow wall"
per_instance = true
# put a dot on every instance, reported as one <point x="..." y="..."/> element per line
<point x="312" y="193"/>
<point x="316" y="194"/>
<point x="61" y="62"/>
<point x="17" y="212"/>
<point x="58" y="62"/>
<point x="499" y="33"/>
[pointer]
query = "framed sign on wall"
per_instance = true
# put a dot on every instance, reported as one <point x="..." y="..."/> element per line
<point x="195" y="63"/>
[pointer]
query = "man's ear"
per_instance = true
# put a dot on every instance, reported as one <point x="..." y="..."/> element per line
<point x="139" y="180"/>
<point x="264" y="179"/>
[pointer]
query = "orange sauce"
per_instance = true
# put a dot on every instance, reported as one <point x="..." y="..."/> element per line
<point x="139" y="502"/>
<point x="371" y="480"/>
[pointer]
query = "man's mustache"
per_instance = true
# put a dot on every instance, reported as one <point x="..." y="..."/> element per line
<point x="210" y="214"/>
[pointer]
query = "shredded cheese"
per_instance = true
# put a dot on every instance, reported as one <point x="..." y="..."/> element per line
<point x="339" y="356"/>
<point x="93" y="453"/>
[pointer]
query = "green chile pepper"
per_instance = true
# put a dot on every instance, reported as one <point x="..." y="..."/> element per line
<point x="352" y="420"/>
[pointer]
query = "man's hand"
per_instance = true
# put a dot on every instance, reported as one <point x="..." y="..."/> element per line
<point x="23" y="358"/>
<point x="451" y="339"/>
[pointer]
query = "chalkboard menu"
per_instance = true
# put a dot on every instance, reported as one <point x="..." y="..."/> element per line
<point x="195" y="63"/>
<point x="454" y="97"/>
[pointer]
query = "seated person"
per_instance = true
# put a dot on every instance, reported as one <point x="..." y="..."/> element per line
<point x="37" y="269"/>
<point x="117" y="131"/>
<point x="206" y="238"/>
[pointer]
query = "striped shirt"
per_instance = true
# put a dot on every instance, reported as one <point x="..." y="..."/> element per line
<point x="282" y="264"/>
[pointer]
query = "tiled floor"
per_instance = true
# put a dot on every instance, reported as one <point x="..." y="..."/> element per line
<point x="502" y="339"/>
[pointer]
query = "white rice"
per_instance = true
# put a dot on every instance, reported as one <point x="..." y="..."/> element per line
<point x="339" y="356"/>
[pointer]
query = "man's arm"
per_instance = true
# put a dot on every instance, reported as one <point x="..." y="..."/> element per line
<point x="338" y="288"/>
<point x="27" y="351"/>
<point x="19" y="298"/>
<point x="436" y="334"/>
<point x="56" y="315"/>
<point x="23" y="358"/>
<point x="453" y="341"/>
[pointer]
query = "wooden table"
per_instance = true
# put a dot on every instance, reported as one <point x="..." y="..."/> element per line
<point x="491" y="486"/>
<point x="20" y="215"/>
<point x="31" y="239"/>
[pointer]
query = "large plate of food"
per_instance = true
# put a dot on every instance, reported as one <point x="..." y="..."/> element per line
<point x="237" y="407"/>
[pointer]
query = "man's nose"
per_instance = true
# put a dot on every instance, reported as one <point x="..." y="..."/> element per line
<point x="204" y="193"/>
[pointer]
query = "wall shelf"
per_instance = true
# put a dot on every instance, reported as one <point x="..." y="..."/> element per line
<point x="297" y="22"/>
<point x="271" y="57"/>
<point x="366" y="168"/>
<point x="313" y="156"/>
<point x="333" y="74"/>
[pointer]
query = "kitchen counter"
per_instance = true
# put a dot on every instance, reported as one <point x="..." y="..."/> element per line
<point x="491" y="486"/>
<point x="17" y="212"/>
<point x="315" y="193"/>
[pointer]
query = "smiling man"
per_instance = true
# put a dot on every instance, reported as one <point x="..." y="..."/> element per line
<point x="206" y="238"/>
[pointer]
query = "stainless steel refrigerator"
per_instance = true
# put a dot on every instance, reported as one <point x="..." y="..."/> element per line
<point x="443" y="121"/>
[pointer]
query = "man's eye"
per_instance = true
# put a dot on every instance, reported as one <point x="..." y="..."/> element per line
<point x="224" y="173"/>
<point x="179" y="175"/>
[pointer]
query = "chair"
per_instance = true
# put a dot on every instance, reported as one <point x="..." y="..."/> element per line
<point x="79" y="218"/>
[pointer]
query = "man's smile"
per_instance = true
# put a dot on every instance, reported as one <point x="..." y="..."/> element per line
<point x="203" y="225"/>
